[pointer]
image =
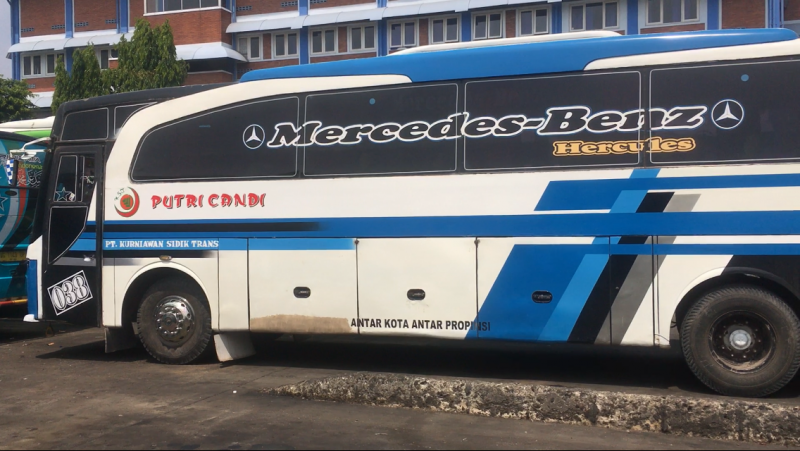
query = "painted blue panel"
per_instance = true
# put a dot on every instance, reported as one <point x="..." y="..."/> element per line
<point x="303" y="48"/>
<point x="466" y="26"/>
<point x="69" y="19"/>
<point x="556" y="11"/>
<point x="571" y="304"/>
<point x="228" y="244"/>
<point x="83" y="245"/>
<point x="712" y="22"/>
<point x="727" y="249"/>
<point x="534" y="58"/>
<point x="383" y="39"/>
<point x="630" y="249"/>
<point x="633" y="17"/>
<point x="563" y="270"/>
<point x="302" y="7"/>
<point x="301" y="244"/>
<point x="601" y="194"/>
<point x="32" y="288"/>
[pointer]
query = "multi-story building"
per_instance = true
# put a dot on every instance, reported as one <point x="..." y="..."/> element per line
<point x="223" y="39"/>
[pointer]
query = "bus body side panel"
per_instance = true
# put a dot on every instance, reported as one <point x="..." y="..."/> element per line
<point x="234" y="301"/>
<point x="303" y="286"/>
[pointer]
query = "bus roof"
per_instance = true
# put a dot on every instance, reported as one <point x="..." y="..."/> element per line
<point x="525" y="58"/>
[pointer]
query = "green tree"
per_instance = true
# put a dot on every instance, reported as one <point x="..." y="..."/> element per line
<point x="147" y="61"/>
<point x="85" y="81"/>
<point x="15" y="100"/>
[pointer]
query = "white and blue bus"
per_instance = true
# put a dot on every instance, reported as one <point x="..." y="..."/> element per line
<point x="593" y="188"/>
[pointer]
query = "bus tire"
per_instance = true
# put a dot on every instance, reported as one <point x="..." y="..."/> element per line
<point x="742" y="340"/>
<point x="174" y="322"/>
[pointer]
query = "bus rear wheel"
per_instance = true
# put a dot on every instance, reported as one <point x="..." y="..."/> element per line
<point x="742" y="341"/>
<point x="174" y="322"/>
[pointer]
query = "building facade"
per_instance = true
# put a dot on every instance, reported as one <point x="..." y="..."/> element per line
<point x="223" y="39"/>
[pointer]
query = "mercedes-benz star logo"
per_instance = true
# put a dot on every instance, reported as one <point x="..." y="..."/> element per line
<point x="727" y="114"/>
<point x="253" y="136"/>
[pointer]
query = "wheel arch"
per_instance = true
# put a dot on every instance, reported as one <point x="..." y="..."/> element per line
<point x="145" y="278"/>
<point x="736" y="276"/>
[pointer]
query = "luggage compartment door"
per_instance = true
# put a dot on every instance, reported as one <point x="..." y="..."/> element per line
<point x="303" y="286"/>
<point x="420" y="287"/>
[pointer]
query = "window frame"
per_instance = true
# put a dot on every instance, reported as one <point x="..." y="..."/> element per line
<point x="402" y="34"/>
<point x="488" y="14"/>
<point x="249" y="38"/>
<point x="220" y="5"/>
<point x="444" y="20"/>
<point x="661" y="22"/>
<point x="533" y="11"/>
<point x="43" y="73"/>
<point x="604" y="2"/>
<point x="274" y="45"/>
<point x="335" y="50"/>
<point x="363" y="49"/>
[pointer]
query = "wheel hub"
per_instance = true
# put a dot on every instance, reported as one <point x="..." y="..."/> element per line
<point x="174" y="318"/>
<point x="742" y="341"/>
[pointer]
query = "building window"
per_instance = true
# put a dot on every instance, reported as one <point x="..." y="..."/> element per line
<point x="323" y="41"/>
<point x="672" y="11"/>
<point x="362" y="38"/>
<point x="533" y="22"/>
<point x="160" y="6"/>
<point x="487" y="26"/>
<point x="250" y="47"/>
<point x="104" y="55"/>
<point x="402" y="34"/>
<point x="445" y="30"/>
<point x="594" y="16"/>
<point x="284" y="45"/>
<point x="40" y="65"/>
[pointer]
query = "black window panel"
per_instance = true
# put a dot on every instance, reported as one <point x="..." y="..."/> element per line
<point x="86" y="125"/>
<point x="66" y="189"/>
<point x="213" y="145"/>
<point x="763" y="126"/>
<point x="399" y="105"/>
<point x="66" y="225"/>
<point x="123" y="113"/>
<point x="88" y="180"/>
<point x="532" y="98"/>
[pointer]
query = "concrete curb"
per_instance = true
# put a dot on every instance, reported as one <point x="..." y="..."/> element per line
<point x="695" y="417"/>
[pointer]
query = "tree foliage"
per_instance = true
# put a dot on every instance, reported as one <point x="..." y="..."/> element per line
<point x="147" y="61"/>
<point x="85" y="81"/>
<point x="15" y="100"/>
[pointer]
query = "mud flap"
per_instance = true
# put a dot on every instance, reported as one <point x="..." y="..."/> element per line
<point x="233" y="346"/>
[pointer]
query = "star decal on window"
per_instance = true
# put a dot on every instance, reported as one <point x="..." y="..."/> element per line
<point x="63" y="195"/>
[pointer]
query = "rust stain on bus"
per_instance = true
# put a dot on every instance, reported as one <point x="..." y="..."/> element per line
<point x="300" y="324"/>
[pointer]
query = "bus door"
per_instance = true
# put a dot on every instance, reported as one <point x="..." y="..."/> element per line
<point x="70" y="272"/>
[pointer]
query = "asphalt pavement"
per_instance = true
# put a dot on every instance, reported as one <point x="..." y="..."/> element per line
<point x="65" y="392"/>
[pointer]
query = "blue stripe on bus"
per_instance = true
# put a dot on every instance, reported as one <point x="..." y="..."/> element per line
<point x="569" y="308"/>
<point x="302" y="244"/>
<point x="522" y="59"/>
<point x="84" y="245"/>
<point x="602" y="194"/>
<point x="32" y="288"/>
<point x="233" y="245"/>
<point x="584" y="224"/>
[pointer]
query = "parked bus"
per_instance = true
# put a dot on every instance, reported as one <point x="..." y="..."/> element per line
<point x="36" y="128"/>
<point x="585" y="188"/>
<point x="19" y="189"/>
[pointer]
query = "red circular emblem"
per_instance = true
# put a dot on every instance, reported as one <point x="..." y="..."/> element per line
<point x="127" y="202"/>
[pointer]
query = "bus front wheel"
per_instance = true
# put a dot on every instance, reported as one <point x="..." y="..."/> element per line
<point x="174" y="322"/>
<point x="742" y="341"/>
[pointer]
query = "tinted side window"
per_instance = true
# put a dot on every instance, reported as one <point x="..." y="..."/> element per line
<point x="380" y="131"/>
<point x="223" y="144"/>
<point x="122" y="113"/>
<point x="576" y="120"/>
<point x="86" y="125"/>
<point x="728" y="113"/>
